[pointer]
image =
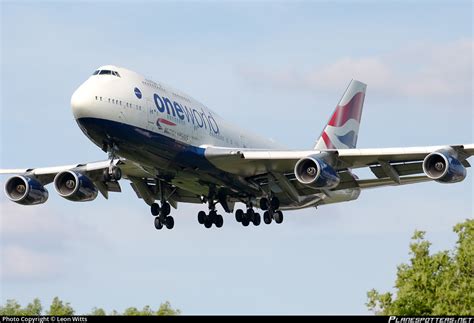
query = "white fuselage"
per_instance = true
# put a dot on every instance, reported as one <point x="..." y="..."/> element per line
<point x="133" y="100"/>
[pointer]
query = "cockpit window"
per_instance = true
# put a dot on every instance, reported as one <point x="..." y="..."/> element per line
<point x="106" y="72"/>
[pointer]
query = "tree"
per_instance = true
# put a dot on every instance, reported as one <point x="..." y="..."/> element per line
<point x="34" y="308"/>
<point x="438" y="284"/>
<point x="98" y="312"/>
<point x="166" y="309"/>
<point x="58" y="308"/>
<point x="12" y="307"/>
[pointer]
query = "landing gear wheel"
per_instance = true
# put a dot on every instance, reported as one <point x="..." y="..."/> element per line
<point x="264" y="204"/>
<point x="158" y="224"/>
<point x="116" y="173"/>
<point x="201" y="217"/>
<point x="155" y="209"/>
<point x="219" y="221"/>
<point x="245" y="222"/>
<point x="267" y="217"/>
<point x="275" y="203"/>
<point x="239" y="215"/>
<point x="207" y="223"/>
<point x="169" y="222"/>
<point x="250" y="214"/>
<point x="256" y="219"/>
<point x="106" y="176"/>
<point x="212" y="216"/>
<point x="165" y="209"/>
<point x="278" y="216"/>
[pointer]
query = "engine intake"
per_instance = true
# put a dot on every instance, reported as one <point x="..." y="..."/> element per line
<point x="25" y="190"/>
<point x="75" y="186"/>
<point x="443" y="167"/>
<point x="315" y="172"/>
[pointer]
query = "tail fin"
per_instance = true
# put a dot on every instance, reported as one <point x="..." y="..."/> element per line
<point x="343" y="127"/>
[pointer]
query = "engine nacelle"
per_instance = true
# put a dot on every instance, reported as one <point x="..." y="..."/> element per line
<point x="25" y="190"/>
<point x="315" y="172"/>
<point x="443" y="167"/>
<point x="75" y="186"/>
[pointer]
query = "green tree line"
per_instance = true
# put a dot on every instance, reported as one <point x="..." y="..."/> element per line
<point x="60" y="308"/>
<point x="432" y="284"/>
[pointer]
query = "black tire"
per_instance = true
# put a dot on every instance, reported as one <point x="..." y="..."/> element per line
<point x="239" y="215"/>
<point x="267" y="218"/>
<point x="106" y="176"/>
<point x="165" y="209"/>
<point x="116" y="173"/>
<point x="158" y="224"/>
<point x="257" y="220"/>
<point x="250" y="214"/>
<point x="201" y="217"/>
<point x="169" y="222"/>
<point x="278" y="216"/>
<point x="155" y="209"/>
<point x="213" y="216"/>
<point x="264" y="204"/>
<point x="245" y="222"/>
<point x="207" y="223"/>
<point x="275" y="203"/>
<point x="219" y="221"/>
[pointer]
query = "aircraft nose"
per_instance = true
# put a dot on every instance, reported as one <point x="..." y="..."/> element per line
<point x="81" y="102"/>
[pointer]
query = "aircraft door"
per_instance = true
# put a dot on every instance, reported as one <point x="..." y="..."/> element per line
<point x="152" y="115"/>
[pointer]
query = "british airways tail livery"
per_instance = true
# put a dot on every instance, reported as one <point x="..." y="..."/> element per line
<point x="173" y="149"/>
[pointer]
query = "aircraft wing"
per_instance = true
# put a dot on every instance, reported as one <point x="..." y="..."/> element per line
<point x="391" y="166"/>
<point x="93" y="170"/>
<point x="46" y="174"/>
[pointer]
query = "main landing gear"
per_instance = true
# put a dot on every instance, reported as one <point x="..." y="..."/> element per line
<point x="212" y="218"/>
<point x="271" y="210"/>
<point x="161" y="215"/>
<point x="246" y="217"/>
<point x="112" y="173"/>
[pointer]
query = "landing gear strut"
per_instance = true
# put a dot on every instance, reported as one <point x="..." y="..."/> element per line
<point x="161" y="215"/>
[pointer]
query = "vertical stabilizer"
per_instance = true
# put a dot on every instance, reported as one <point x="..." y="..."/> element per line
<point x="343" y="128"/>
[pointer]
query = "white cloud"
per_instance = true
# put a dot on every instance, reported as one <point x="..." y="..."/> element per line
<point x="426" y="71"/>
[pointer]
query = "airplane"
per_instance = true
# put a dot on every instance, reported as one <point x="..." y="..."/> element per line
<point x="173" y="149"/>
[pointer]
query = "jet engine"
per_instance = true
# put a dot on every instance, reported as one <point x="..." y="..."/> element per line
<point x="75" y="186"/>
<point x="315" y="172"/>
<point x="443" y="167"/>
<point x="25" y="190"/>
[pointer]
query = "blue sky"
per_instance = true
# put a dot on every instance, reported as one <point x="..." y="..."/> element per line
<point x="277" y="68"/>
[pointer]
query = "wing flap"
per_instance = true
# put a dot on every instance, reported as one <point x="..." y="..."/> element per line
<point x="403" y="169"/>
